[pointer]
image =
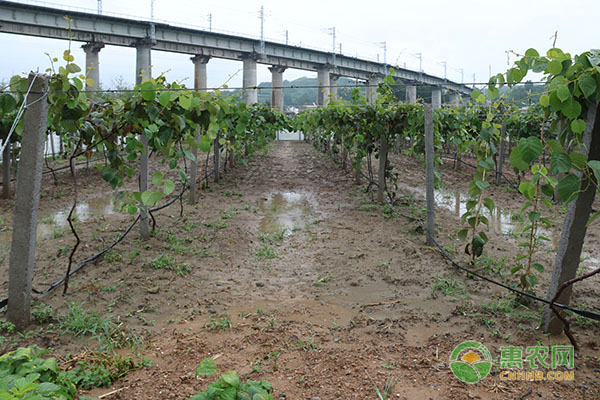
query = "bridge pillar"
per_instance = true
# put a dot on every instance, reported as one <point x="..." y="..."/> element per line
<point x="436" y="98"/>
<point x="143" y="60"/>
<point x="92" y="64"/>
<point x="324" y="83"/>
<point x="333" y="80"/>
<point x="277" y="87"/>
<point x="249" y="91"/>
<point x="411" y="94"/>
<point x="372" y="85"/>
<point x="200" y="78"/>
<point x="454" y="99"/>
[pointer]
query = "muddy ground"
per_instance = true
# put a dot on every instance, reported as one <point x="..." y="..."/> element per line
<point x="287" y="271"/>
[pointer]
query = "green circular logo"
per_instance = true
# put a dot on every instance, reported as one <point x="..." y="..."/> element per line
<point x="471" y="362"/>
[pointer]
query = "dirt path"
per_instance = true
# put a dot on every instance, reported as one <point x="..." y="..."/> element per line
<point x="276" y="265"/>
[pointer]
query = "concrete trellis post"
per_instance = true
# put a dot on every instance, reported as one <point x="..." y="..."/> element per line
<point x="6" y="171"/>
<point x="501" y="156"/>
<point x="29" y="178"/>
<point x="575" y="224"/>
<point x="429" y="174"/>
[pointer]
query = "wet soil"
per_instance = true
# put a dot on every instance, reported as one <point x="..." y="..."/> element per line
<point x="288" y="271"/>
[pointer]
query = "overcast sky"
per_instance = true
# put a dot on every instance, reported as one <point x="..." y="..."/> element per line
<point x="472" y="35"/>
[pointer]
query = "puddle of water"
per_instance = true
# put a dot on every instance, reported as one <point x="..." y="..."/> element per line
<point x="590" y="262"/>
<point x="501" y="221"/>
<point x="85" y="211"/>
<point x="285" y="210"/>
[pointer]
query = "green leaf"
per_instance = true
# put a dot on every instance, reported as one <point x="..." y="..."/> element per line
<point x="532" y="53"/>
<point x="516" y="160"/>
<point x="568" y="187"/>
<point x="72" y="68"/>
<point x="563" y="93"/>
<point x="482" y="185"/>
<point x="477" y="244"/>
<point x="231" y="379"/>
<point x="157" y="178"/>
<point x="483" y="236"/>
<point x="206" y="367"/>
<point x="185" y="101"/>
<point x="489" y="204"/>
<point x="555" y="145"/>
<point x="148" y="91"/>
<point x="533" y="216"/>
<point x="571" y="109"/>
<point x="544" y="100"/>
<point x="578" y="126"/>
<point x="554" y="67"/>
<point x="487" y="164"/>
<point x="548" y="190"/>
<point x="462" y="234"/>
<point x="578" y="160"/>
<point x="169" y="187"/>
<point x="204" y="144"/>
<point x="475" y="93"/>
<point x="164" y="98"/>
<point x="587" y="84"/>
<point x="595" y="166"/>
<point x="147" y="198"/>
<point x="560" y="163"/>
<point x="132" y="209"/>
<point x="530" y="148"/>
<point x="527" y="190"/>
<point x="538" y="267"/>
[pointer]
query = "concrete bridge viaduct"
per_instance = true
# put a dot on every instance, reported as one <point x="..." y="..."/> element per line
<point x="97" y="31"/>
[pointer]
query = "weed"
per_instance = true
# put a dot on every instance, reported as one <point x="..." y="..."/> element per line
<point x="88" y="323"/>
<point x="388" y="365"/>
<point x="322" y="281"/>
<point x="101" y="370"/>
<point x="7" y="327"/>
<point x="266" y="252"/>
<point x="112" y="256"/>
<point x="387" y="388"/>
<point x="260" y="311"/>
<point x="491" y="265"/>
<point x="217" y="225"/>
<point x="229" y="384"/>
<point x="370" y="207"/>
<point x="273" y="237"/>
<point x="307" y="345"/>
<point x="167" y="262"/>
<point x="221" y="322"/>
<point x="449" y="287"/>
<point x="42" y="313"/>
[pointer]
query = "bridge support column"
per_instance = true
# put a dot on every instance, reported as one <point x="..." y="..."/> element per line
<point x="436" y="98"/>
<point x="411" y="94"/>
<point x="333" y="80"/>
<point x="249" y="91"/>
<point x="143" y="60"/>
<point x="200" y="77"/>
<point x="324" y="83"/>
<point x="454" y="99"/>
<point x="372" y="85"/>
<point x="92" y="64"/>
<point x="143" y="72"/>
<point x="277" y="87"/>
